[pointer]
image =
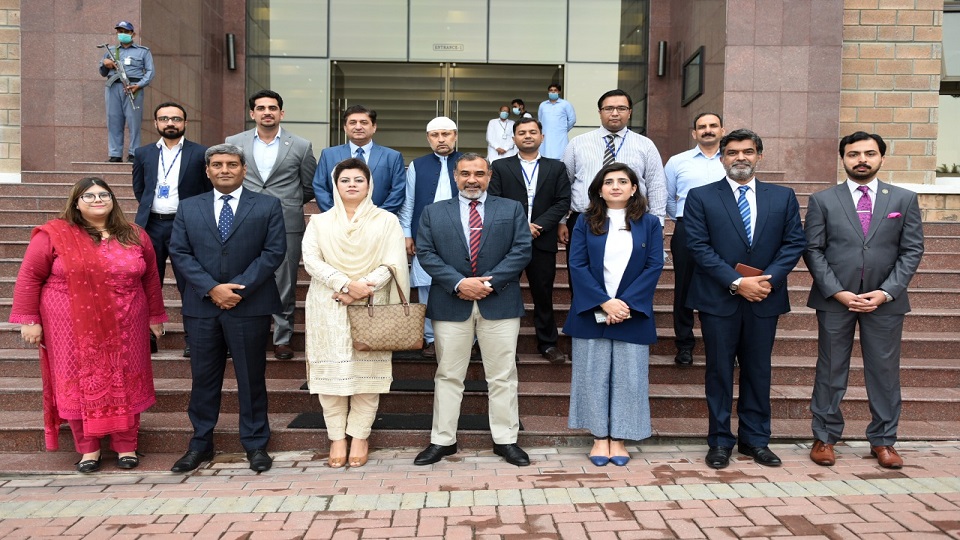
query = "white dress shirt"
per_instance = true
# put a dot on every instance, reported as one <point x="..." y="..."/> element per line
<point x="168" y="178"/>
<point x="751" y="196"/>
<point x="856" y="193"/>
<point x="530" y="171"/>
<point x="218" y="202"/>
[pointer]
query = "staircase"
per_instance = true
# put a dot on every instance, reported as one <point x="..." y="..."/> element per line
<point x="930" y="372"/>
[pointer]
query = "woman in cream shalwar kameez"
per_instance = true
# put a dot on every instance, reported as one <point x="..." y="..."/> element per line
<point x="347" y="250"/>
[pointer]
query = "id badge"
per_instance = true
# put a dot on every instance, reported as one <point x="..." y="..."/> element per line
<point x="163" y="191"/>
<point x="128" y="61"/>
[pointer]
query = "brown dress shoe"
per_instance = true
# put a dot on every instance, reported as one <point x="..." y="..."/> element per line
<point x="887" y="457"/>
<point x="822" y="454"/>
<point x="430" y="351"/>
<point x="283" y="352"/>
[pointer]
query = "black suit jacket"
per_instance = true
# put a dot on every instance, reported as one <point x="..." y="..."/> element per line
<point x="550" y="201"/>
<point x="193" y="176"/>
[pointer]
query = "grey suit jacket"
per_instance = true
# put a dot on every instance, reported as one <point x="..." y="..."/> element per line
<point x="504" y="252"/>
<point x="291" y="179"/>
<point x="839" y="256"/>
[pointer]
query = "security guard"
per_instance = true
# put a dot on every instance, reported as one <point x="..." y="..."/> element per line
<point x="138" y="64"/>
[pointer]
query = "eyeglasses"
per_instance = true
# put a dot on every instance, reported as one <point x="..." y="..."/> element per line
<point x="90" y="197"/>
<point x="165" y="119"/>
<point x="609" y="109"/>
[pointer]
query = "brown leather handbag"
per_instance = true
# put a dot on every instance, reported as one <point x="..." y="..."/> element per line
<point x="387" y="327"/>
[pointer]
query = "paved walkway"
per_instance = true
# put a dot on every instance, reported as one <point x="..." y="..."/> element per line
<point x="665" y="492"/>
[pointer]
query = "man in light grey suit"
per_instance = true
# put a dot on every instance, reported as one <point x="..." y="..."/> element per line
<point x="279" y="164"/>
<point x="474" y="247"/>
<point x="864" y="243"/>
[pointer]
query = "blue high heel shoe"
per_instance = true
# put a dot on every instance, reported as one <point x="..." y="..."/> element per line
<point x="620" y="461"/>
<point x="599" y="461"/>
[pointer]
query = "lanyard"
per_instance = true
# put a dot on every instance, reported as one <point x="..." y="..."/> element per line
<point x="533" y="174"/>
<point x="166" y="171"/>
<point x="504" y="128"/>
<point x="610" y="147"/>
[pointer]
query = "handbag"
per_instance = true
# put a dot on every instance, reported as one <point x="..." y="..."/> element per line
<point x="388" y="327"/>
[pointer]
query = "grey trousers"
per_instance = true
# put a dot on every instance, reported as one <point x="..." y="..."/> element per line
<point x="286" y="277"/>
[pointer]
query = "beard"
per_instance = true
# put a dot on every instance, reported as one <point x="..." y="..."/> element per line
<point x="171" y="133"/>
<point x="855" y="175"/>
<point x="740" y="171"/>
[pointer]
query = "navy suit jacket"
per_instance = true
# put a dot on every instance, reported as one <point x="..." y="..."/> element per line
<point x="504" y="252"/>
<point x="637" y="285"/>
<point x="193" y="176"/>
<point x="386" y="166"/>
<point x="250" y="255"/>
<point x="717" y="241"/>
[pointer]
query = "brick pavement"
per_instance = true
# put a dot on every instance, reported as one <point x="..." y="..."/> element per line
<point x="665" y="492"/>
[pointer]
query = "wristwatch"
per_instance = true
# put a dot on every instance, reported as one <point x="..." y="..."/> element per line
<point x="345" y="289"/>
<point x="735" y="286"/>
<point x="887" y="295"/>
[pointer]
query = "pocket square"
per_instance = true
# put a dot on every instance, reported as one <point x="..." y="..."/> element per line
<point x="894" y="215"/>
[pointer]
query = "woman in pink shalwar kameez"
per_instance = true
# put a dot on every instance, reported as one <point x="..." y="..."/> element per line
<point x="87" y="293"/>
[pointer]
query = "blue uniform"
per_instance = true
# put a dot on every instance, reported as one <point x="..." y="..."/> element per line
<point x="557" y="118"/>
<point x="138" y="63"/>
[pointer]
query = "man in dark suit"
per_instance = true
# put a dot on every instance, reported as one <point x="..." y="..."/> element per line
<point x="864" y="243"/>
<point x="542" y="187"/>
<point x="386" y="164"/>
<point x="474" y="246"/>
<point x="228" y="243"/>
<point x="165" y="173"/>
<point x="740" y="220"/>
<point x="282" y="165"/>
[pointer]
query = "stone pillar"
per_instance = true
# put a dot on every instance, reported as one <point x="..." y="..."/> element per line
<point x="9" y="90"/>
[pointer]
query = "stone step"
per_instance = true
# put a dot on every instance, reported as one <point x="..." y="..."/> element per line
<point x="113" y="173"/>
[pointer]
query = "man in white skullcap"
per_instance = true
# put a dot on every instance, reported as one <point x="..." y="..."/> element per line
<point x="424" y="187"/>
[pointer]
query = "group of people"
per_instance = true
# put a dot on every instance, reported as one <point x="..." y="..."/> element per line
<point x="230" y="217"/>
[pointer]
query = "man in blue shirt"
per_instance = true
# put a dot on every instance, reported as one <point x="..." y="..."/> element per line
<point x="138" y="64"/>
<point x="693" y="168"/>
<point x="557" y="117"/>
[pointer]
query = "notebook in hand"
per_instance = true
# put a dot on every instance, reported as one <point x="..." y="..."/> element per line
<point x="748" y="271"/>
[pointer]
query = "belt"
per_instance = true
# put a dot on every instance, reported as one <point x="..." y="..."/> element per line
<point x="132" y="80"/>
<point x="163" y="217"/>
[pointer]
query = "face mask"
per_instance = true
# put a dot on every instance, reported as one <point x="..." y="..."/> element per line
<point x="553" y="96"/>
<point x="504" y="115"/>
<point x="124" y="38"/>
<point x="516" y="111"/>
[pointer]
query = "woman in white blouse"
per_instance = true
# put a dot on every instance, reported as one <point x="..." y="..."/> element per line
<point x="346" y="251"/>
<point x="616" y="256"/>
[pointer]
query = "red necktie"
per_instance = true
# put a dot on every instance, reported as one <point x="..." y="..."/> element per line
<point x="476" y="228"/>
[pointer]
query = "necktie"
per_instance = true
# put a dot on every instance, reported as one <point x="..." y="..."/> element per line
<point x="745" y="211"/>
<point x="360" y="154"/>
<point x="476" y="228"/>
<point x="226" y="218"/>
<point x="864" y="209"/>
<point x="608" y="156"/>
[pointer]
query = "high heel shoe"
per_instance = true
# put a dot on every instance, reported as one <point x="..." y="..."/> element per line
<point x="599" y="461"/>
<point x="339" y="461"/>
<point x="89" y="465"/>
<point x="359" y="461"/>
<point x="620" y="461"/>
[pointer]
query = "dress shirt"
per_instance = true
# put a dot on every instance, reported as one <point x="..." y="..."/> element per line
<point x="530" y="171"/>
<point x="265" y="154"/>
<point x="366" y="150"/>
<point x="218" y="202"/>
<point x="584" y="159"/>
<point x="617" y="250"/>
<point x="500" y="135"/>
<point x="465" y="213"/>
<point x="856" y="193"/>
<point x="443" y="193"/>
<point x="168" y="174"/>
<point x="751" y="201"/>
<point x="686" y="171"/>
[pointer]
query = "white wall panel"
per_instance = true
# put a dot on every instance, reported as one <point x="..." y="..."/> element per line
<point x="585" y="84"/>
<point x="594" y="33"/>
<point x="448" y="30"/>
<point x="368" y="29"/>
<point x="529" y="32"/>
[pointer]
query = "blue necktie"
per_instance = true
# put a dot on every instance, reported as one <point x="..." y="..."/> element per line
<point x="360" y="154"/>
<point x="226" y="218"/>
<point x="745" y="211"/>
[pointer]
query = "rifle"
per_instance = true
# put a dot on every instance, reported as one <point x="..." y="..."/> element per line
<point x="124" y="79"/>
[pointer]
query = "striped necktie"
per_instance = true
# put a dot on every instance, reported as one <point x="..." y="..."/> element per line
<point x="608" y="156"/>
<point x="745" y="211"/>
<point x="476" y="228"/>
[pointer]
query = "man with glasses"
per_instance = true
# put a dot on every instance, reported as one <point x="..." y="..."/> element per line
<point x="281" y="165"/>
<point x="613" y="141"/>
<point x="165" y="173"/>
<point x="138" y="64"/>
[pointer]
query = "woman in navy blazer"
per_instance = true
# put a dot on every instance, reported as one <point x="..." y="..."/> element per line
<point x="616" y="256"/>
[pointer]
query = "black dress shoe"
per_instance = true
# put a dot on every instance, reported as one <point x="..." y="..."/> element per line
<point x="718" y="457"/>
<point x="434" y="453"/>
<point x="128" y="462"/>
<point x="260" y="460"/>
<point x="554" y="355"/>
<point x="115" y="159"/>
<point x="153" y="344"/>
<point x="129" y="158"/>
<point x="512" y="453"/>
<point x="89" y="465"/>
<point x="684" y="357"/>
<point x="186" y="351"/>
<point x="191" y="460"/>
<point x="761" y="454"/>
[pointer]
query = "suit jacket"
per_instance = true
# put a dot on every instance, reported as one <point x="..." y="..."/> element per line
<point x="551" y="200"/>
<point x="291" y="179"/>
<point x="504" y="252"/>
<point x="717" y="241"/>
<point x="193" y="176"/>
<point x="250" y="255"/>
<point x="637" y="285"/>
<point x="386" y="165"/>
<point x="839" y="256"/>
